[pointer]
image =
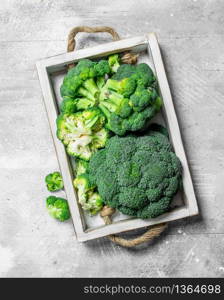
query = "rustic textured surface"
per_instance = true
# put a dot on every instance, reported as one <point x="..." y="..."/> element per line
<point x="191" y="34"/>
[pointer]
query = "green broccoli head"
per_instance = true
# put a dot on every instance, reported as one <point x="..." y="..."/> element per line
<point x="82" y="84"/>
<point x="58" y="208"/>
<point x="54" y="182"/>
<point x="137" y="175"/>
<point x="128" y="100"/>
<point x="82" y="132"/>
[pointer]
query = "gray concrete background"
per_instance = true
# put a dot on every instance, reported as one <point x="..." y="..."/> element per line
<point x="191" y="34"/>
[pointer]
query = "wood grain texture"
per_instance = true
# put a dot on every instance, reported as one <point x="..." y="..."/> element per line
<point x="191" y="35"/>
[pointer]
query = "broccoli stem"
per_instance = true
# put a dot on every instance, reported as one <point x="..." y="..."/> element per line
<point x="91" y="86"/>
<point x="89" y="123"/>
<point x="109" y="105"/>
<point x="115" y="98"/>
<point x="113" y="85"/>
<point x="85" y="93"/>
<point x="84" y="103"/>
<point x="100" y="82"/>
<point x="104" y="110"/>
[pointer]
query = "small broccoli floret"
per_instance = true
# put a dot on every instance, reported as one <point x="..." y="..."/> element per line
<point x="99" y="138"/>
<point x="138" y="175"/>
<point x="143" y="98"/>
<point x="68" y="105"/>
<point x="82" y="183"/>
<point x="81" y="166"/>
<point x="95" y="203"/>
<point x="82" y="132"/>
<point x="89" y="200"/>
<point x="102" y="68"/>
<point x="114" y="62"/>
<point x="142" y="73"/>
<point x="124" y="71"/>
<point x="58" y="208"/>
<point x="54" y="182"/>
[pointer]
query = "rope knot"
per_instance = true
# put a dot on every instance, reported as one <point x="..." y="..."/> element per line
<point x="107" y="211"/>
<point x="129" y="58"/>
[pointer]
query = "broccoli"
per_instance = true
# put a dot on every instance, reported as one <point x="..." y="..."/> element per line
<point x="58" y="208"/>
<point x="81" y="166"/>
<point x="82" y="132"/>
<point x="138" y="175"/>
<point x="142" y="73"/>
<point x="128" y="100"/>
<point x="68" y="105"/>
<point x="82" y="85"/>
<point x="54" y="182"/>
<point x="114" y="62"/>
<point x="89" y="200"/>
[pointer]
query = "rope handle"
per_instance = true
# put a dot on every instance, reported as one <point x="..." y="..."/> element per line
<point x="107" y="212"/>
<point x="127" y="58"/>
<point x="149" y="235"/>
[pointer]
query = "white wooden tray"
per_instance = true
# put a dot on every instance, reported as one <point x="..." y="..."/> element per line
<point x="51" y="72"/>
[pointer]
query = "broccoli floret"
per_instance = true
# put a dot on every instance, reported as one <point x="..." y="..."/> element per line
<point x="142" y="98"/>
<point x="54" y="182"/>
<point x="81" y="166"/>
<point x="82" y="133"/>
<point x="89" y="200"/>
<point x="95" y="203"/>
<point x="58" y="208"/>
<point x="102" y="68"/>
<point x="142" y="73"/>
<point x="83" y="83"/>
<point x="138" y="175"/>
<point x="82" y="183"/>
<point x="68" y="105"/>
<point x="128" y="101"/>
<point x="114" y="62"/>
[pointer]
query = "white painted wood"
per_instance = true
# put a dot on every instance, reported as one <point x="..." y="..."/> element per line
<point x="57" y="64"/>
